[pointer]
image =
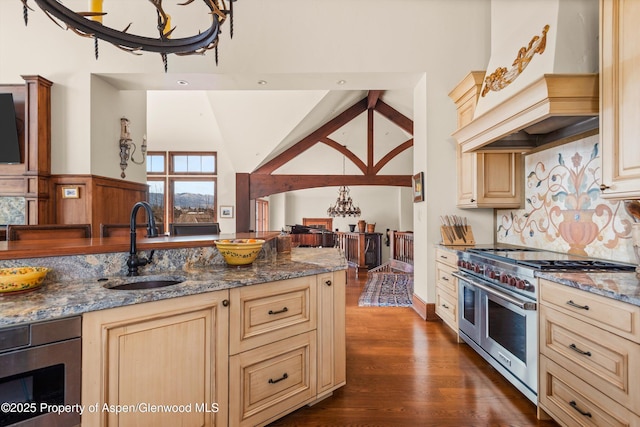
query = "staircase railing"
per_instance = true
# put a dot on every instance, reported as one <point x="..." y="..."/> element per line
<point x="401" y="246"/>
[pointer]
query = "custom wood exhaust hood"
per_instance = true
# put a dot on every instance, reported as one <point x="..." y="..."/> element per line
<point x="556" y="108"/>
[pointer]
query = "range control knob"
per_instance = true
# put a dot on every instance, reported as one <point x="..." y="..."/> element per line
<point x="504" y="278"/>
<point x="490" y="274"/>
<point x="520" y="284"/>
<point x="512" y="281"/>
<point x="529" y="287"/>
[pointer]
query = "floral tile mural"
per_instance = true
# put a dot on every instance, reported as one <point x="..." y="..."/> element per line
<point x="563" y="210"/>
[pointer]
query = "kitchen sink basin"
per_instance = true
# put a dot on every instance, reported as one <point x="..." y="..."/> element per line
<point x="144" y="284"/>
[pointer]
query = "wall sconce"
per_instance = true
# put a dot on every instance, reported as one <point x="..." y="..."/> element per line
<point x="126" y="153"/>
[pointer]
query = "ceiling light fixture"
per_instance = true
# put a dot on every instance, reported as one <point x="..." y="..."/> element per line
<point x="90" y="24"/>
<point x="344" y="204"/>
<point x="262" y="82"/>
<point x="183" y="82"/>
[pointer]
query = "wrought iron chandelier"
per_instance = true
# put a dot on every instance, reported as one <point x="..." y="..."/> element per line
<point x="344" y="205"/>
<point x="89" y="24"/>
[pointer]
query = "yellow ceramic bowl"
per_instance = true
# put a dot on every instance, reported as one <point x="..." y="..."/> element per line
<point x="20" y="279"/>
<point x="239" y="251"/>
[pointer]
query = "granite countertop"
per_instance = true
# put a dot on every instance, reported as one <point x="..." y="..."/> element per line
<point x="621" y="286"/>
<point x="57" y="299"/>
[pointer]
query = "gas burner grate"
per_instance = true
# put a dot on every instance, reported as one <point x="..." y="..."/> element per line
<point x="585" y="265"/>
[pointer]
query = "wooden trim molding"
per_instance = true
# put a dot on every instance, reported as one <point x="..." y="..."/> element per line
<point x="426" y="310"/>
<point x="420" y="306"/>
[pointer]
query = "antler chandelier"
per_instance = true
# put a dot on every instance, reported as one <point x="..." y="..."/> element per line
<point x="89" y="24"/>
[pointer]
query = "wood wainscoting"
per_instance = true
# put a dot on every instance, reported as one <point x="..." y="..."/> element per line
<point x="95" y="200"/>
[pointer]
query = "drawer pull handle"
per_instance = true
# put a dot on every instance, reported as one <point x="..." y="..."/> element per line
<point x="445" y="306"/>
<point x="573" y="304"/>
<point x="283" y="377"/>
<point x="328" y="283"/>
<point x="577" y="350"/>
<point x="284" y="310"/>
<point x="446" y="279"/>
<point x="444" y="257"/>
<point x="574" y="405"/>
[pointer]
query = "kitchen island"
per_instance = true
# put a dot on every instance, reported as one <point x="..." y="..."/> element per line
<point x="225" y="346"/>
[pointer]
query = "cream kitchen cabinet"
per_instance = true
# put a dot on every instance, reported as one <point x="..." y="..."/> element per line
<point x="589" y="358"/>
<point x="619" y="102"/>
<point x="447" y="288"/>
<point x="238" y="357"/>
<point x="485" y="180"/>
<point x="172" y="352"/>
<point x="332" y="366"/>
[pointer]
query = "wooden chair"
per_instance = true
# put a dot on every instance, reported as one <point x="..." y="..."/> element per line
<point x="48" y="231"/>
<point x="122" y="230"/>
<point x="194" y="228"/>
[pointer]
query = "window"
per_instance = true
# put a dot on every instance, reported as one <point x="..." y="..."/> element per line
<point x="156" y="163"/>
<point x="186" y="191"/>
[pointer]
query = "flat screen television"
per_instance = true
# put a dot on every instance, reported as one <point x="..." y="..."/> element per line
<point x="9" y="142"/>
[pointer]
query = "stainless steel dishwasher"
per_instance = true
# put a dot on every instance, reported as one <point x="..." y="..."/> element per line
<point x="40" y="374"/>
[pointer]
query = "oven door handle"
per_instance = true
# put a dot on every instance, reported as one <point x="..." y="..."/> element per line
<point x="524" y="305"/>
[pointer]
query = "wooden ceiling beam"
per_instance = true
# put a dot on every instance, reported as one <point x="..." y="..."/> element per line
<point x="313" y="138"/>
<point x="372" y="98"/>
<point x="395" y="116"/>
<point x="346" y="152"/>
<point x="391" y="154"/>
<point x="262" y="185"/>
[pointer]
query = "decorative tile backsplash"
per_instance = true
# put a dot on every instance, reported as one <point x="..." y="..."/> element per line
<point x="563" y="210"/>
<point x="12" y="210"/>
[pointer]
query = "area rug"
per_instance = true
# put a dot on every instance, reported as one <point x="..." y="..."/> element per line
<point x="387" y="290"/>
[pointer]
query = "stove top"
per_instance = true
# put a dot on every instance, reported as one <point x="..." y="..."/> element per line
<point x="539" y="259"/>
<point x="514" y="268"/>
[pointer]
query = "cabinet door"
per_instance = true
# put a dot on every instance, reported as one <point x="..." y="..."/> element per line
<point x="489" y="180"/>
<point x="270" y="312"/>
<point x="272" y="380"/>
<point x="467" y="178"/>
<point x="163" y="362"/>
<point x="331" y="332"/>
<point x="619" y="101"/>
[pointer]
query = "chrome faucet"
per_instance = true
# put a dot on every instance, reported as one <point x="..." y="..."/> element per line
<point x="134" y="260"/>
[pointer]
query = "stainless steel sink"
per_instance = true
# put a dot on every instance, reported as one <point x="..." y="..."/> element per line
<point x="145" y="283"/>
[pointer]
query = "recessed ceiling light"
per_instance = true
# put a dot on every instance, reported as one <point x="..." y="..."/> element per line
<point x="341" y="82"/>
<point x="182" y="82"/>
<point x="262" y="82"/>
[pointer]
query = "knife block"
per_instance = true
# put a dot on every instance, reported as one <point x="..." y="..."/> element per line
<point x="451" y="235"/>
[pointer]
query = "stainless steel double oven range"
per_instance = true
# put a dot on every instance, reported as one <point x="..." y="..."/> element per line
<point x="497" y="302"/>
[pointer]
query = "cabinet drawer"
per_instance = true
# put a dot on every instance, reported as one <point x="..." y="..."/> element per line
<point x="447" y="257"/>
<point x="262" y="314"/>
<point x="615" y="316"/>
<point x="272" y="380"/>
<point x="573" y="402"/>
<point x="606" y="361"/>
<point x="447" y="308"/>
<point x="445" y="279"/>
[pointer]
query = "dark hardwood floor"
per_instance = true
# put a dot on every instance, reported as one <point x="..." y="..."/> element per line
<point x="403" y="371"/>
